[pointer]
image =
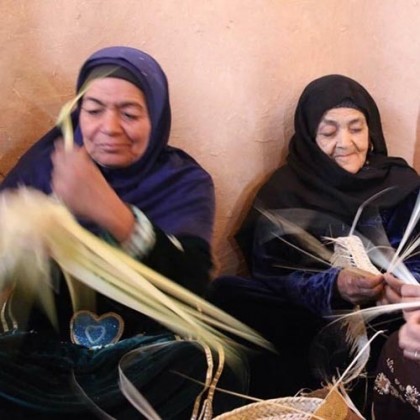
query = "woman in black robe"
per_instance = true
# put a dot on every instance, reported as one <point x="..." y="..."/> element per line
<point x="337" y="160"/>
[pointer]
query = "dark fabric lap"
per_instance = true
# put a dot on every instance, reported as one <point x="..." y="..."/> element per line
<point x="397" y="384"/>
<point x="290" y="328"/>
<point x="36" y="377"/>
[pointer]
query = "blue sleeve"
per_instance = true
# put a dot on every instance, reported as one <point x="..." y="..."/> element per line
<point x="301" y="280"/>
<point x="282" y="269"/>
<point x="314" y="291"/>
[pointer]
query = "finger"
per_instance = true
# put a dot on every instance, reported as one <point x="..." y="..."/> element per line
<point x="410" y="332"/>
<point x="412" y="354"/>
<point x="393" y="282"/>
<point x="388" y="296"/>
<point x="370" y="282"/>
<point x="412" y="315"/>
<point x="371" y="292"/>
<point x="415" y="308"/>
<point x="410" y="291"/>
<point x="392" y="296"/>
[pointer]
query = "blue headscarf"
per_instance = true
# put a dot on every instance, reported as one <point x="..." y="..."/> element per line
<point x="174" y="192"/>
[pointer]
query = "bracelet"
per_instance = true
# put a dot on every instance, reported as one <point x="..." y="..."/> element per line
<point x="142" y="238"/>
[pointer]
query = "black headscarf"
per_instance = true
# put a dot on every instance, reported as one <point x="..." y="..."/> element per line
<point x="312" y="180"/>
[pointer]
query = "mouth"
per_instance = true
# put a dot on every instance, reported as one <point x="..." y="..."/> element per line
<point x="113" y="148"/>
<point x="344" y="157"/>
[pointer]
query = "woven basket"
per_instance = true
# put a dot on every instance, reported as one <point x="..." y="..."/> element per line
<point x="276" y="409"/>
<point x="321" y="403"/>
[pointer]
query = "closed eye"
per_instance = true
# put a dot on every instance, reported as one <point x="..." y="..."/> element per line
<point x="93" y="111"/>
<point x="328" y="134"/>
<point x="130" y="117"/>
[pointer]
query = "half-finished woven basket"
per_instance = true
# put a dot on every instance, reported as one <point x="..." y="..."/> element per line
<point x="275" y="409"/>
<point x="322" y="404"/>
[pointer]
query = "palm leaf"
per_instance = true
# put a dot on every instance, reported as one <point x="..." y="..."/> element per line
<point x="48" y="225"/>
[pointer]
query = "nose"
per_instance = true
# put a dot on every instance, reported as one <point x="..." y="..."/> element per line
<point x="344" y="138"/>
<point x="111" y="122"/>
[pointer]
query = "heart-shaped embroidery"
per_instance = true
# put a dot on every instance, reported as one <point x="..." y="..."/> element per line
<point x="91" y="330"/>
<point x="95" y="333"/>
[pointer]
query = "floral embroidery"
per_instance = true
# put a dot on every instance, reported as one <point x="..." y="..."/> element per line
<point x="382" y="384"/>
<point x="390" y="364"/>
<point x="405" y="393"/>
<point x="412" y="396"/>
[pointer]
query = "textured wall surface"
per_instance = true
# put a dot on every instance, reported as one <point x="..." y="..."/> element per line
<point x="235" y="68"/>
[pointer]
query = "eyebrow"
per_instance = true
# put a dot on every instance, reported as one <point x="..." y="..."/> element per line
<point x="334" y="122"/>
<point x="123" y="104"/>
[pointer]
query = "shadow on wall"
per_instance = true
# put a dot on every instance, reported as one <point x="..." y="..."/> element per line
<point x="272" y="138"/>
<point x="233" y="262"/>
<point x="242" y="208"/>
<point x="416" y="159"/>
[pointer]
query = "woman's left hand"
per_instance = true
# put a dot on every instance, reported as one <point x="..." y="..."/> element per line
<point x="77" y="181"/>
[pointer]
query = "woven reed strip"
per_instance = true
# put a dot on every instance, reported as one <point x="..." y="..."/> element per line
<point x="275" y="409"/>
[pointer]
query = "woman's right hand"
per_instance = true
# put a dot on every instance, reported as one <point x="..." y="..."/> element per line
<point x="358" y="286"/>
<point x="79" y="184"/>
<point x="410" y="293"/>
<point x="409" y="334"/>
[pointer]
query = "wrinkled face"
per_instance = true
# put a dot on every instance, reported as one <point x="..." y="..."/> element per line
<point x="343" y="135"/>
<point x="115" y="122"/>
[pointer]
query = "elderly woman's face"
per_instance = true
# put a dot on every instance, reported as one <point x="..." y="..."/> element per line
<point x="115" y="122"/>
<point x="343" y="135"/>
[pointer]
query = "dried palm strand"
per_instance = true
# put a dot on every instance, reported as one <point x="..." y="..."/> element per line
<point x="281" y="225"/>
<point x="194" y="310"/>
<point x="394" y="265"/>
<point x="400" y="255"/>
<point x="35" y="227"/>
<point x="64" y="116"/>
<point x="349" y="251"/>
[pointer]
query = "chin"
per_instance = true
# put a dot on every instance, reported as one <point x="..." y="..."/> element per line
<point x="352" y="169"/>
<point x="114" y="163"/>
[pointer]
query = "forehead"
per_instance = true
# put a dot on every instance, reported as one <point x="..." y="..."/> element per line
<point x="114" y="90"/>
<point x="342" y="116"/>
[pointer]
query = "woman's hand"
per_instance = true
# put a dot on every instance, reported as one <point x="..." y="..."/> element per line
<point x="409" y="335"/>
<point x="392" y="290"/>
<point x="77" y="181"/>
<point x="410" y="293"/>
<point x="358" y="286"/>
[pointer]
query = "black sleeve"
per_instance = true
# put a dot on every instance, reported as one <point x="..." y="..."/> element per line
<point x="190" y="266"/>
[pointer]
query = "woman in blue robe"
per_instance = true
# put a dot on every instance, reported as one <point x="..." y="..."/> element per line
<point x="124" y="183"/>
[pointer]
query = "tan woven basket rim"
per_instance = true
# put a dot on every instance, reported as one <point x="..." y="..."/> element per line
<point x="274" y="408"/>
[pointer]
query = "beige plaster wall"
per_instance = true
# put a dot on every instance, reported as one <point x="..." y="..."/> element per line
<point x="235" y="67"/>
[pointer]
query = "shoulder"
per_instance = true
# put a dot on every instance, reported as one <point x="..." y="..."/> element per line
<point x="34" y="167"/>
<point x="184" y="165"/>
<point x="277" y="185"/>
